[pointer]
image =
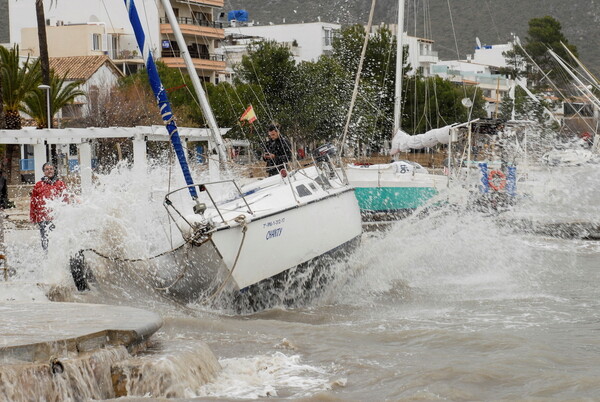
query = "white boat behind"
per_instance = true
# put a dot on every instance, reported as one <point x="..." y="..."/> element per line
<point x="394" y="190"/>
<point x="570" y="157"/>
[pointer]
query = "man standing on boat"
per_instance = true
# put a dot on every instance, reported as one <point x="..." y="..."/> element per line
<point x="278" y="151"/>
<point x="48" y="188"/>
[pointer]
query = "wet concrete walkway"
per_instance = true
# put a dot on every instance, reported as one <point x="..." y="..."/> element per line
<point x="37" y="332"/>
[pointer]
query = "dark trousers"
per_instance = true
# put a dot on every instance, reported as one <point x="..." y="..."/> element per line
<point x="272" y="170"/>
<point x="45" y="228"/>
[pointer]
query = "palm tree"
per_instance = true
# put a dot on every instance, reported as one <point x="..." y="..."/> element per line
<point x="61" y="94"/>
<point x="1" y="104"/>
<point x="17" y="82"/>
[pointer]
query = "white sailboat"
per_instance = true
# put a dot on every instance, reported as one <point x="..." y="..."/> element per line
<point x="395" y="189"/>
<point x="238" y="236"/>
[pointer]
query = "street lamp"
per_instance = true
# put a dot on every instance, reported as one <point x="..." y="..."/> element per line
<point x="47" y="89"/>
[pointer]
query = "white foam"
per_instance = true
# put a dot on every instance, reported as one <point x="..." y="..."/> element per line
<point x="268" y="376"/>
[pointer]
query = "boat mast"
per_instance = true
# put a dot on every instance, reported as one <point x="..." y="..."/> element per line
<point x="583" y="88"/>
<point x="160" y="95"/>
<point x="357" y="78"/>
<point x="399" y="53"/>
<point x="202" y="98"/>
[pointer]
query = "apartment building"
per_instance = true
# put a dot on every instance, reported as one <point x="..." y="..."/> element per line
<point x="101" y="27"/>
<point x="421" y="55"/>
<point x="481" y="69"/>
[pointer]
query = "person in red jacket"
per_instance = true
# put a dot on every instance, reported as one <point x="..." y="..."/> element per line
<point x="50" y="187"/>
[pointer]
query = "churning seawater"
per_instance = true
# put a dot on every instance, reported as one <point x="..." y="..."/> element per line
<point x="451" y="304"/>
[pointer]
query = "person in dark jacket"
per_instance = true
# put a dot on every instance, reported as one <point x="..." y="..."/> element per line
<point x="4" y="203"/>
<point x="50" y="187"/>
<point x="278" y="151"/>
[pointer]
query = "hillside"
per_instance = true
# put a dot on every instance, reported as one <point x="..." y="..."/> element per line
<point x="491" y="21"/>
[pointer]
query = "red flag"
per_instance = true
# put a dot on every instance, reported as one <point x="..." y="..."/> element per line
<point x="249" y="115"/>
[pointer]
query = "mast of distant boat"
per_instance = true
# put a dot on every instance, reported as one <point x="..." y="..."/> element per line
<point x="399" y="60"/>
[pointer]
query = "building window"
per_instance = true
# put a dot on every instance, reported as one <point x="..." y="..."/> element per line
<point x="328" y="37"/>
<point x="96" y="42"/>
<point x="114" y="46"/>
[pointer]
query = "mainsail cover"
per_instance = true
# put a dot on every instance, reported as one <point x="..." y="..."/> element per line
<point x="403" y="142"/>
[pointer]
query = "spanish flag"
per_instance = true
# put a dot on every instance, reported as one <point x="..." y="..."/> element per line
<point x="249" y="115"/>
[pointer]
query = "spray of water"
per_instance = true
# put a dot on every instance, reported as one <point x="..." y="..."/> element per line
<point x="83" y="378"/>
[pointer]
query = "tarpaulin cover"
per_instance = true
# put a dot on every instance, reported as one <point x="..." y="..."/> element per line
<point x="238" y="15"/>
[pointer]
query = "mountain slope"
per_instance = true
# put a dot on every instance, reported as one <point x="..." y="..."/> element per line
<point x="492" y="21"/>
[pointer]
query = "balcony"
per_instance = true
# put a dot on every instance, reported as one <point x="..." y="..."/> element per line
<point x="191" y="26"/>
<point x="211" y="3"/>
<point x="202" y="61"/>
<point x="429" y="57"/>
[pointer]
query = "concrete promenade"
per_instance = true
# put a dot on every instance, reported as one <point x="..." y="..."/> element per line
<point x="37" y="332"/>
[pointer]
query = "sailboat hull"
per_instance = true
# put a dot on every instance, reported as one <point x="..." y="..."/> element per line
<point x="281" y="241"/>
<point x="234" y="259"/>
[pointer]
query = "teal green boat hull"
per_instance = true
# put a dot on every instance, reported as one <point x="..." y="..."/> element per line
<point x="392" y="199"/>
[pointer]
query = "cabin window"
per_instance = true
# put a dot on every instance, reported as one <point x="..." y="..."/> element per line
<point x="302" y="190"/>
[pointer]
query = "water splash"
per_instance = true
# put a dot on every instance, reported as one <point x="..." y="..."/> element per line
<point x="82" y="378"/>
<point x="275" y="375"/>
<point x="172" y="369"/>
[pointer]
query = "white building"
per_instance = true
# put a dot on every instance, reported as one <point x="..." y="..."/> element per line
<point x="491" y="55"/>
<point x="482" y="70"/>
<point x="97" y="75"/>
<point x="308" y="41"/>
<point x="421" y="55"/>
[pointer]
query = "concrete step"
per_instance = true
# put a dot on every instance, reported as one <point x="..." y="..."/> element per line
<point x="35" y="332"/>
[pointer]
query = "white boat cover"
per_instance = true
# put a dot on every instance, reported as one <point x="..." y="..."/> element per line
<point x="403" y="142"/>
<point x="399" y="167"/>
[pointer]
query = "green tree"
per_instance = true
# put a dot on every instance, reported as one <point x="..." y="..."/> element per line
<point x="434" y="102"/>
<point x="372" y="119"/>
<point x="229" y="102"/>
<point x="61" y="94"/>
<point x="525" y="107"/>
<point x="322" y="90"/>
<point x="271" y="67"/>
<point x="516" y="63"/>
<point x="543" y="34"/>
<point x="178" y="86"/>
<point x="17" y="82"/>
<point x="1" y="103"/>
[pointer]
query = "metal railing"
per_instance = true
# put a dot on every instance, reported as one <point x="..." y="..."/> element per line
<point x="193" y="54"/>
<point x="204" y="189"/>
<point x="194" y="21"/>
